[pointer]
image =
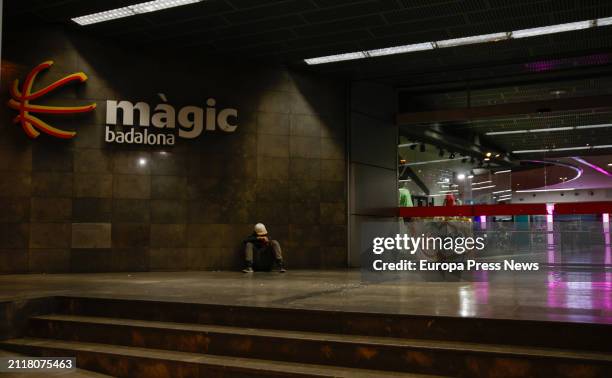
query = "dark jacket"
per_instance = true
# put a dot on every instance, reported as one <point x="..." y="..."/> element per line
<point x="258" y="244"/>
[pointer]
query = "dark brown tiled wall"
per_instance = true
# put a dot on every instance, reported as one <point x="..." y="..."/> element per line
<point x="86" y="206"/>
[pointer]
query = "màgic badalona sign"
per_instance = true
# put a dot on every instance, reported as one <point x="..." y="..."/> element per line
<point x="188" y="122"/>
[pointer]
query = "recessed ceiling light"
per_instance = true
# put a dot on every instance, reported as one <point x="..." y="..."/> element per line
<point x="131" y="10"/>
<point x="558" y="92"/>
<point x="483" y="38"/>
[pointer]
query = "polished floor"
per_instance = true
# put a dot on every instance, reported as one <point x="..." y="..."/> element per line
<point x="535" y="296"/>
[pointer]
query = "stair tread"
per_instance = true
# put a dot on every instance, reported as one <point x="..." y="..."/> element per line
<point x="206" y="359"/>
<point x="342" y="338"/>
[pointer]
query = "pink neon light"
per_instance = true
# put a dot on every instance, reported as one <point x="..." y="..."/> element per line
<point x="605" y="217"/>
<point x="483" y="222"/>
<point x="591" y="165"/>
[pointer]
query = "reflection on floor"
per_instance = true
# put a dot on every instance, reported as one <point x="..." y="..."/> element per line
<point x="534" y="296"/>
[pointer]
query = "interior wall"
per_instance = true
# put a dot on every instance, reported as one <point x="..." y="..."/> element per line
<point x="373" y="160"/>
<point x="83" y="205"/>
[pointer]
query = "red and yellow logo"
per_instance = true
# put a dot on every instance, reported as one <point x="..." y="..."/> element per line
<point x="21" y="102"/>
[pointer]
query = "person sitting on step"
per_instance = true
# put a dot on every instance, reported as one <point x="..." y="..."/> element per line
<point x="260" y="252"/>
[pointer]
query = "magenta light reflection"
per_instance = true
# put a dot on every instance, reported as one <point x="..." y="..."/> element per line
<point x="550" y="209"/>
<point x="550" y="236"/>
<point x="483" y="222"/>
<point x="593" y="166"/>
<point x="554" y="64"/>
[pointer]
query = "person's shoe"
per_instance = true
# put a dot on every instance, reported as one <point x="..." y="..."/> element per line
<point x="281" y="267"/>
<point x="248" y="269"/>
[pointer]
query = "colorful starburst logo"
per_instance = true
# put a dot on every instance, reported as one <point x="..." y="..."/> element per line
<point x="21" y="102"/>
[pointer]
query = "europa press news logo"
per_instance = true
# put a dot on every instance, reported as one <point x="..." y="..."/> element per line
<point x="21" y="99"/>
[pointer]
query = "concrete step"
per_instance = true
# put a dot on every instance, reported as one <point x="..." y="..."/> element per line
<point x="365" y="352"/>
<point x="133" y="362"/>
<point x="564" y="335"/>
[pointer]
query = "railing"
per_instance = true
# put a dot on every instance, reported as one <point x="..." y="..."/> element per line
<point x="603" y="207"/>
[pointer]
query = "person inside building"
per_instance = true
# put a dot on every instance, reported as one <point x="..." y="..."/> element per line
<point x="261" y="252"/>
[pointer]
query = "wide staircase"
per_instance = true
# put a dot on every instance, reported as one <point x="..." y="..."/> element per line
<point x="135" y="338"/>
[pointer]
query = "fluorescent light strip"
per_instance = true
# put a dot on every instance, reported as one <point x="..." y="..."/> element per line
<point x="550" y="129"/>
<point x="553" y="29"/>
<point x="546" y="190"/>
<point x="571" y="148"/>
<point x="507" y="132"/>
<point x="482" y="182"/>
<point x="131" y="10"/>
<point x="482" y="38"/>
<point x="502" y="191"/>
<point x="428" y="162"/>
<point x="592" y="166"/>
<point x="594" y="126"/>
<point x="472" y="40"/>
<point x="500" y="172"/>
<point x="400" y="49"/>
<point x="336" y="58"/>
<point x="604" y="21"/>
<point x="603" y="146"/>
<point x="484" y="187"/>
<point x="529" y="151"/>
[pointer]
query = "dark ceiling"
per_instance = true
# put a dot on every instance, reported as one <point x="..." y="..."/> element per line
<point x="288" y="31"/>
